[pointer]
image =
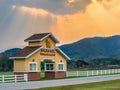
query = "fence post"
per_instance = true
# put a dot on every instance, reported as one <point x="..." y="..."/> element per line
<point x="67" y="74"/>
<point x="97" y="73"/>
<point x="77" y="73"/>
<point x="117" y="71"/>
<point x="92" y="73"/>
<point x="105" y="72"/>
<point x="101" y="72"/>
<point x="108" y="72"/>
<point x="114" y="71"/>
<point x="87" y="73"/>
<point x="3" y="78"/>
<point x="15" y="78"/>
<point x="26" y="77"/>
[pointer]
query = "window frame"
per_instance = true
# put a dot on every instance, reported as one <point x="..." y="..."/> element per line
<point x="49" y="67"/>
<point x="62" y="67"/>
<point x="36" y="66"/>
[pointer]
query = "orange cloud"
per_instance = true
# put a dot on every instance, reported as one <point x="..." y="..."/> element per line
<point x="99" y="19"/>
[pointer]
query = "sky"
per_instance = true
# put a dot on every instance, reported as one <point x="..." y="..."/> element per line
<point x="68" y="20"/>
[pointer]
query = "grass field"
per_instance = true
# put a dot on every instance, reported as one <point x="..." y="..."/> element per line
<point x="42" y="75"/>
<point x="107" y="85"/>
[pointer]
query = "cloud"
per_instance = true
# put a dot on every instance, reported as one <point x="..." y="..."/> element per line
<point x="21" y="22"/>
<point x="75" y="6"/>
<point x="69" y="20"/>
<point x="61" y="7"/>
<point x="99" y="19"/>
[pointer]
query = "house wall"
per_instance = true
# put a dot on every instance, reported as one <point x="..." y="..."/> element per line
<point x="58" y="59"/>
<point x="22" y="65"/>
<point x="19" y="65"/>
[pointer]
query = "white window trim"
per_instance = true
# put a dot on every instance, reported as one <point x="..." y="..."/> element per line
<point x="63" y="67"/>
<point x="33" y="63"/>
<point x="50" y="70"/>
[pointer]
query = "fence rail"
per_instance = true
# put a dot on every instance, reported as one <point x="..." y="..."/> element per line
<point x="92" y="73"/>
<point x="13" y="78"/>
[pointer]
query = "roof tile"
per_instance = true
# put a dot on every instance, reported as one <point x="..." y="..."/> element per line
<point x="26" y="51"/>
<point x="37" y="36"/>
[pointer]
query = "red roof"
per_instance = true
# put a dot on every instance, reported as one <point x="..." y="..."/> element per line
<point x="40" y="37"/>
<point x="37" y="36"/>
<point x="26" y="51"/>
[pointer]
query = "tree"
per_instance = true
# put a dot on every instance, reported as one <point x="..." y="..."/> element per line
<point x="81" y="63"/>
<point x="5" y="63"/>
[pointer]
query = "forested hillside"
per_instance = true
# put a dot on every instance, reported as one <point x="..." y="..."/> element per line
<point x="5" y="63"/>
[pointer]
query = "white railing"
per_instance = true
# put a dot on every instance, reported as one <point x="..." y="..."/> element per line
<point x="92" y="73"/>
<point x="13" y="78"/>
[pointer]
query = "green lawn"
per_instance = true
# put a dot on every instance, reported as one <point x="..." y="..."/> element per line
<point x="107" y="85"/>
<point x="42" y="75"/>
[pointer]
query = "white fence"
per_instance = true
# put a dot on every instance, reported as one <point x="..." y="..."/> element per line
<point x="13" y="78"/>
<point x="92" y="73"/>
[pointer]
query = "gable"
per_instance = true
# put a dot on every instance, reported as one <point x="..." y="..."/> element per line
<point x="40" y="37"/>
<point x="46" y="43"/>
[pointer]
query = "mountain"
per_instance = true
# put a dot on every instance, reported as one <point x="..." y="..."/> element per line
<point x="87" y="48"/>
<point x="10" y="52"/>
<point x="93" y="48"/>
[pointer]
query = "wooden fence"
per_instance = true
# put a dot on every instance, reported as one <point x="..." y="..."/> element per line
<point x="92" y="73"/>
<point x="13" y="78"/>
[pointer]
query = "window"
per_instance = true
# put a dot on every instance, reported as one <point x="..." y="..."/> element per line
<point x="33" y="67"/>
<point x="49" y="67"/>
<point x="60" y="67"/>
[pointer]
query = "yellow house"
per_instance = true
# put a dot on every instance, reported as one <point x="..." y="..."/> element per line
<point x="41" y="47"/>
